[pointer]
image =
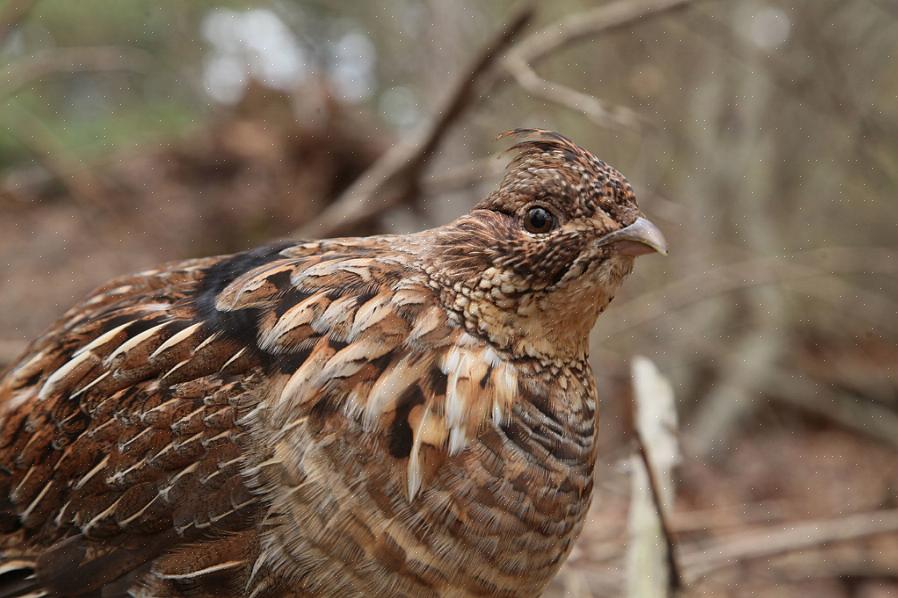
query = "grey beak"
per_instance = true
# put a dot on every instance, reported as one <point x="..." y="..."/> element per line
<point x="639" y="238"/>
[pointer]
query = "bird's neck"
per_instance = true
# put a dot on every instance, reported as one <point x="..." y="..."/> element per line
<point x="552" y="328"/>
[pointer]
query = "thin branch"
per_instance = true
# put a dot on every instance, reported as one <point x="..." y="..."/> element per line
<point x="584" y="25"/>
<point x="395" y="178"/>
<point x="653" y="569"/>
<point x="615" y="117"/>
<point x="576" y="27"/>
<point x="769" y="543"/>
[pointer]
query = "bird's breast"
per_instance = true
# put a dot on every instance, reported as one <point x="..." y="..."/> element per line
<point x="495" y="519"/>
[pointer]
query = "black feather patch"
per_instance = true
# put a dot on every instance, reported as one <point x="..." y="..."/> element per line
<point x="400" y="434"/>
<point x="242" y="324"/>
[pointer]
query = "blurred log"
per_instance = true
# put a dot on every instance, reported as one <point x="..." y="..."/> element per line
<point x="652" y="568"/>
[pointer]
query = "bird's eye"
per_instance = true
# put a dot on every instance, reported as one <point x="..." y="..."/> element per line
<point x="539" y="220"/>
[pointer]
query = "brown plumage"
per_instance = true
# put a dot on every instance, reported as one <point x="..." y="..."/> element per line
<point x="385" y="416"/>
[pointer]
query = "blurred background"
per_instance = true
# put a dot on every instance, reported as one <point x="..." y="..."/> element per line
<point x="761" y="135"/>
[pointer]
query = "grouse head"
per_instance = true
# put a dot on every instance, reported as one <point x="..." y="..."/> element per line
<point x="533" y="265"/>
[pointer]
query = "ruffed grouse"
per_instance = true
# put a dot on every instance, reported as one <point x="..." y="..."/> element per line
<point x="385" y="416"/>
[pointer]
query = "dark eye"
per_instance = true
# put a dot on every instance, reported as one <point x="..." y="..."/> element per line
<point x="539" y="220"/>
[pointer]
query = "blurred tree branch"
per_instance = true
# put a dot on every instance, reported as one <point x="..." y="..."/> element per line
<point x="593" y="108"/>
<point x="395" y="178"/>
<point x="588" y="24"/>
<point x="573" y="28"/>
<point x="767" y="543"/>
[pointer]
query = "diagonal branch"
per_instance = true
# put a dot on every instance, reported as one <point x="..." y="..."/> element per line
<point x="576" y="27"/>
<point x="395" y="178"/>
<point x="592" y="107"/>
<point x="768" y="543"/>
<point x="588" y="24"/>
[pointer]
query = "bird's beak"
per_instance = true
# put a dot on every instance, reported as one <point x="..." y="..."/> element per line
<point x="639" y="238"/>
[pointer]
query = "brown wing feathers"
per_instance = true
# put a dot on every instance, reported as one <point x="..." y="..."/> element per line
<point x="121" y="424"/>
<point x="127" y="420"/>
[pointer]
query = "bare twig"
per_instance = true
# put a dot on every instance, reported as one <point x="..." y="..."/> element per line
<point x="596" y="110"/>
<point x="31" y="70"/>
<point x="769" y="543"/>
<point x="584" y="25"/>
<point x="12" y="15"/>
<point x="395" y="178"/>
<point x="588" y="24"/>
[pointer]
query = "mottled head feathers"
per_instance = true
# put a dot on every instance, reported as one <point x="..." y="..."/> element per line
<point x="531" y="257"/>
<point x="548" y="167"/>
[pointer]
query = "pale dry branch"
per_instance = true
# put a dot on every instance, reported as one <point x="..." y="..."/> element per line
<point x="519" y="63"/>
<point x="395" y="178"/>
<point x="768" y="543"/>
<point x="615" y="117"/>
<point x="589" y="24"/>
<point x="652" y="565"/>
